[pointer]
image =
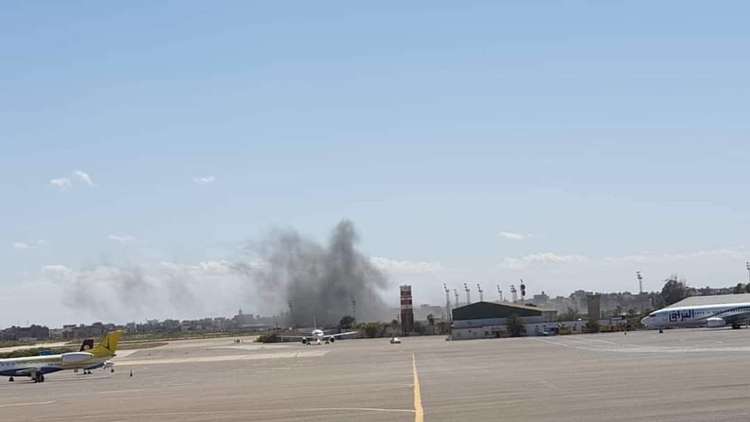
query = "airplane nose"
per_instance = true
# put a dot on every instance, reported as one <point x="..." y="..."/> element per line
<point x="645" y="321"/>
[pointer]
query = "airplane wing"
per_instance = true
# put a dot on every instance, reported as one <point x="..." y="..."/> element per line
<point x="736" y="318"/>
<point x="731" y="319"/>
<point x="337" y="335"/>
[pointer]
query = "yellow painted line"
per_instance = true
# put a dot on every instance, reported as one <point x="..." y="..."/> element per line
<point x="418" y="410"/>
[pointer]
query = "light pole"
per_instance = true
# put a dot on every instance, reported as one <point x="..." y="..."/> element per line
<point x="447" y="302"/>
<point x="747" y="265"/>
<point x="640" y="281"/>
<point x="468" y="293"/>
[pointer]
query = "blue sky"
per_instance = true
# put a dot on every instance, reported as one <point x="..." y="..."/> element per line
<point x="613" y="133"/>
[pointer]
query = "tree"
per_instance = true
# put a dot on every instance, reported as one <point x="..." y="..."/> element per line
<point x="443" y="327"/>
<point x="347" y="322"/>
<point x="515" y="326"/>
<point x="372" y="329"/>
<point x="673" y="291"/>
<point x="592" y="326"/>
<point x="739" y="288"/>
<point x="431" y="323"/>
<point x="747" y="288"/>
<point x="569" y="315"/>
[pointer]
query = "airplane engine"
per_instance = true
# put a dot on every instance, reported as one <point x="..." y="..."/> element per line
<point x="332" y="339"/>
<point x="75" y="357"/>
<point x="305" y="340"/>
<point x="715" y="322"/>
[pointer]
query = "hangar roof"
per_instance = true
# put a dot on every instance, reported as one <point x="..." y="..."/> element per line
<point x="489" y="310"/>
<point x="712" y="300"/>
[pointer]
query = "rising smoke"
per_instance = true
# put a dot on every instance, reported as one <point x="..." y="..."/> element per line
<point x="311" y="281"/>
<point x="284" y="274"/>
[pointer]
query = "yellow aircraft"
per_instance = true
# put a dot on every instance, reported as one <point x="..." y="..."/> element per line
<point x="36" y="367"/>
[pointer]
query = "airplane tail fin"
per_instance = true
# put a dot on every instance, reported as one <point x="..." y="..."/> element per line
<point x="108" y="346"/>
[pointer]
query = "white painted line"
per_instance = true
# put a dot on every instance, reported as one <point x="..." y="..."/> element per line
<point x="360" y="409"/>
<point x="36" y="403"/>
<point x="223" y="358"/>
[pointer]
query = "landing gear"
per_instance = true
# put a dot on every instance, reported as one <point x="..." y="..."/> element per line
<point x="11" y="379"/>
<point x="661" y="331"/>
<point x="736" y="326"/>
<point x="38" y="377"/>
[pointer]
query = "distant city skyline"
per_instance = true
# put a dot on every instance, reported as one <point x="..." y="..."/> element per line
<point x="146" y="145"/>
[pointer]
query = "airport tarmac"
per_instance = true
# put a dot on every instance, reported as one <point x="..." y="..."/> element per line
<point x="681" y="375"/>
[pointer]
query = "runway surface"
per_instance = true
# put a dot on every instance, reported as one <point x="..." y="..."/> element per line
<point x="681" y="375"/>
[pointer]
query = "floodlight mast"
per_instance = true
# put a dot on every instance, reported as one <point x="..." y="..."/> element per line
<point x="640" y="282"/>
<point x="447" y="302"/>
<point x="468" y="293"/>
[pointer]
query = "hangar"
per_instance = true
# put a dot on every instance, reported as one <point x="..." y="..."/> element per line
<point x="489" y="319"/>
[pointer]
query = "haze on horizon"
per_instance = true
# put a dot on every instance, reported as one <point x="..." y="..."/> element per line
<point x="146" y="145"/>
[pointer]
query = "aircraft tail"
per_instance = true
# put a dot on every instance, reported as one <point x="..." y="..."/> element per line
<point x="108" y="346"/>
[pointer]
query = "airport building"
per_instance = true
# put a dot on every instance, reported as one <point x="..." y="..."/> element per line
<point x="489" y="320"/>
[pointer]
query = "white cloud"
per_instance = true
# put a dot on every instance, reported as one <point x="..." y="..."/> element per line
<point x="84" y="177"/>
<point x="405" y="267"/>
<point x="651" y="257"/>
<point x="514" y="236"/>
<point x="62" y="183"/>
<point x="57" y="272"/>
<point x="122" y="238"/>
<point x="546" y="258"/>
<point x="206" y="268"/>
<point x="205" y="180"/>
<point x="29" y="245"/>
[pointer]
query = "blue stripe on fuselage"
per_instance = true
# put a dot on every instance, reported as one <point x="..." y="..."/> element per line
<point x="22" y="372"/>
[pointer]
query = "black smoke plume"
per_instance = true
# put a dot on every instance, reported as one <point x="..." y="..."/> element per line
<point x="311" y="282"/>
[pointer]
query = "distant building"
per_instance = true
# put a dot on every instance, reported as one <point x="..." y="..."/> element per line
<point x="32" y="333"/>
<point x="423" y="311"/>
<point x="540" y="299"/>
<point x="712" y="300"/>
<point x="488" y="319"/>
<point x="593" y="304"/>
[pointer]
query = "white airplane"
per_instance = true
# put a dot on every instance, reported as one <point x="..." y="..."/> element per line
<point x="712" y="316"/>
<point x="35" y="367"/>
<point x="318" y="336"/>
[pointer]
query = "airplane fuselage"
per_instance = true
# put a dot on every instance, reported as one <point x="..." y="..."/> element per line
<point x="719" y="315"/>
<point x="25" y="366"/>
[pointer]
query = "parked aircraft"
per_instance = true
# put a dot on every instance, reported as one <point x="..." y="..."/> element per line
<point x="36" y="367"/>
<point x="715" y="315"/>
